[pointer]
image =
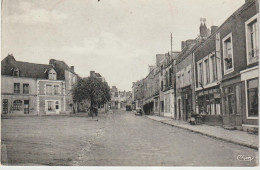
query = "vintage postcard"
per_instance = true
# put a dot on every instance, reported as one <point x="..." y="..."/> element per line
<point x="164" y="83"/>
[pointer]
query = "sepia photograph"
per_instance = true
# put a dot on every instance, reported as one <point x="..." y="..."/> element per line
<point x="105" y="83"/>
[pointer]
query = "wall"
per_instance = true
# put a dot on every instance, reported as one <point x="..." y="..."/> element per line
<point x="42" y="96"/>
<point x="7" y="92"/>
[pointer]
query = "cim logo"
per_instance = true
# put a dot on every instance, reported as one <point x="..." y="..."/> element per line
<point x="245" y="158"/>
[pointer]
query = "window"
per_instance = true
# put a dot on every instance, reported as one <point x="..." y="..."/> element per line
<point x="252" y="39"/>
<point x="228" y="54"/>
<point x="167" y="80"/>
<point x="206" y="72"/>
<point x="161" y="85"/>
<point x="57" y="105"/>
<point x="161" y="70"/>
<point x="182" y="80"/>
<point x="5" y="106"/>
<point x="48" y="89"/>
<point x="17" y="105"/>
<point x="50" y="105"/>
<point x="16" y="87"/>
<point x="170" y="76"/>
<point x="252" y="97"/>
<point x="52" y="75"/>
<point x="218" y="57"/>
<point x="16" y="72"/>
<point x="56" y="89"/>
<point x="189" y="78"/>
<point x="213" y="68"/>
<point x="200" y="74"/>
<point x="26" y="88"/>
<point x="230" y="101"/>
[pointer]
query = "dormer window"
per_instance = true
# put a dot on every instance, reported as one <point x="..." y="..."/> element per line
<point x="52" y="75"/>
<point x="16" y="72"/>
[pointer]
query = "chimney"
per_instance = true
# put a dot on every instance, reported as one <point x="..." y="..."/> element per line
<point x="92" y="73"/>
<point x="159" y="58"/>
<point x="52" y="61"/>
<point x="72" y="68"/>
<point x="189" y="42"/>
<point x="150" y="68"/>
<point x="213" y="29"/>
<point x="183" y="44"/>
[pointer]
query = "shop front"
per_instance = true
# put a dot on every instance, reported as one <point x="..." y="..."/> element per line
<point x="250" y="84"/>
<point x="208" y="105"/>
<point x="186" y="95"/>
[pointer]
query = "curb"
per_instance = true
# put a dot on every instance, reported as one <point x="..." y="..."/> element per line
<point x="212" y="136"/>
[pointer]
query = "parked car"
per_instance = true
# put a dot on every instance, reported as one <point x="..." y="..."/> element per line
<point x="128" y="108"/>
<point x="139" y="111"/>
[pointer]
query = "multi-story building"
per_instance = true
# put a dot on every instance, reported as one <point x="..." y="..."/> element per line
<point x="64" y="72"/>
<point x="168" y="89"/>
<point x="156" y="91"/>
<point x="148" y="83"/>
<point x="239" y="49"/>
<point x="216" y="75"/>
<point x="184" y="81"/>
<point x="227" y="71"/>
<point x="18" y="87"/>
<point x="29" y="88"/>
<point x="207" y="64"/>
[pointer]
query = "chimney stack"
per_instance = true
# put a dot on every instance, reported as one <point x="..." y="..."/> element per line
<point x="92" y="73"/>
<point x="52" y="61"/>
<point x="190" y="42"/>
<point x="183" y="44"/>
<point x="72" y="68"/>
<point x="213" y="29"/>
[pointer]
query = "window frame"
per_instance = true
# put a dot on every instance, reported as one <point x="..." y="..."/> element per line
<point x="200" y="73"/>
<point x="227" y="71"/>
<point x="15" y="105"/>
<point x="19" y="90"/>
<point x="247" y="23"/>
<point x="24" y="84"/>
<point x="58" y="92"/>
<point x="46" y="93"/>
<point x="246" y="89"/>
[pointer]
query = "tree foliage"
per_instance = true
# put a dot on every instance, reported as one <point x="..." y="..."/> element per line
<point x="94" y="90"/>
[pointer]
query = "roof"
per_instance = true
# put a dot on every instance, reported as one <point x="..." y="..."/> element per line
<point x="187" y="50"/>
<point x="98" y="75"/>
<point x="31" y="70"/>
<point x="60" y="66"/>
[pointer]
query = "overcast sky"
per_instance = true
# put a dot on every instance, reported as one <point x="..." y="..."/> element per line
<point x="117" y="38"/>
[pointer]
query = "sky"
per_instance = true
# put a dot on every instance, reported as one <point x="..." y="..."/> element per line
<point x="116" y="38"/>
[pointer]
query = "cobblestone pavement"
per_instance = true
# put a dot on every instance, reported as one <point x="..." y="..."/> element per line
<point x="118" y="138"/>
<point x="138" y="141"/>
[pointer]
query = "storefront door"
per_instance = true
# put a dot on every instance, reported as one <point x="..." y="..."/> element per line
<point x="26" y="106"/>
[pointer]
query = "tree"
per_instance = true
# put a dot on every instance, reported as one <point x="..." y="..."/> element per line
<point x="91" y="89"/>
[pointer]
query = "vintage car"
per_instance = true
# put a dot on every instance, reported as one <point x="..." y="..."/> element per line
<point x="128" y="108"/>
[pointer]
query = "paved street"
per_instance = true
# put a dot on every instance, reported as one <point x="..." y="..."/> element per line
<point x="118" y="138"/>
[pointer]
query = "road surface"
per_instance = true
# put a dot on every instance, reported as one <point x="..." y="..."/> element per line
<point x="118" y="138"/>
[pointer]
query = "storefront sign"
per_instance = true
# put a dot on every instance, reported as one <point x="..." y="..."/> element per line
<point x="217" y="95"/>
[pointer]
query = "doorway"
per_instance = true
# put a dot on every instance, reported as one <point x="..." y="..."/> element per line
<point x="26" y="106"/>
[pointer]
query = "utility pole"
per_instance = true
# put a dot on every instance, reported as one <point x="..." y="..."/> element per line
<point x="171" y="44"/>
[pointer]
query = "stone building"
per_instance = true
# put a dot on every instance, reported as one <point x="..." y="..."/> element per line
<point x="29" y="88"/>
<point x="239" y="50"/>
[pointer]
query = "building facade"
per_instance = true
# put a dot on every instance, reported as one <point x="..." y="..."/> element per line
<point x="29" y="88"/>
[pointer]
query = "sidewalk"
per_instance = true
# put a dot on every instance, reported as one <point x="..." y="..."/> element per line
<point x="233" y="136"/>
